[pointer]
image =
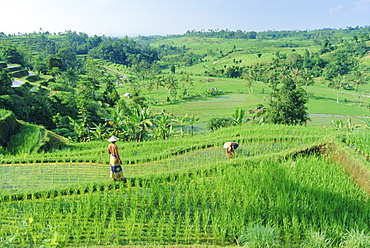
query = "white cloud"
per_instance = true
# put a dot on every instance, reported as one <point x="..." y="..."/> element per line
<point x="362" y="6"/>
<point x="336" y="10"/>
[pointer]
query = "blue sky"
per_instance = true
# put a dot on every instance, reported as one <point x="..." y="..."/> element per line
<point x="163" y="17"/>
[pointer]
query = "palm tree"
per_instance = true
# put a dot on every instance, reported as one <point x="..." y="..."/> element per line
<point x="337" y="83"/>
<point x="250" y="77"/>
<point x="187" y="81"/>
<point x="306" y="77"/>
<point x="359" y="78"/>
<point x="171" y="84"/>
<point x="182" y="122"/>
<point x="158" y="82"/>
<point x="192" y="121"/>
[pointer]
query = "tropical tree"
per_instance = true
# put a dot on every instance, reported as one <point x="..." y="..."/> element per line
<point x="181" y="122"/>
<point x="238" y="116"/>
<point x="187" y="81"/>
<point x="117" y="120"/>
<point x="158" y="82"/>
<point x="219" y="122"/>
<point x="149" y="86"/>
<point x="287" y="104"/>
<point x="192" y="121"/>
<point x="110" y="94"/>
<point x="5" y="82"/>
<point x="171" y="84"/>
<point x="251" y="77"/>
<point x="98" y="131"/>
<point x="163" y="125"/>
<point x="140" y="122"/>
<point x="337" y="83"/>
<point x="11" y="54"/>
<point x="359" y="78"/>
<point x="86" y="103"/>
<point x="80" y="129"/>
<point x="68" y="57"/>
<point x="306" y="77"/>
<point x="54" y="64"/>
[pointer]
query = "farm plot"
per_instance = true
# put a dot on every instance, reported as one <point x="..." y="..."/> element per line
<point x="16" y="178"/>
<point x="292" y="197"/>
<point x="360" y="141"/>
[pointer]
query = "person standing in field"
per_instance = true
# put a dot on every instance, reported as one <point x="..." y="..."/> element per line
<point x="115" y="160"/>
<point x="230" y="149"/>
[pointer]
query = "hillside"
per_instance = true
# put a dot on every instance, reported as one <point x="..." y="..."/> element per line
<point x="174" y="101"/>
<point x="303" y="184"/>
<point x="202" y="74"/>
<point x="18" y="137"/>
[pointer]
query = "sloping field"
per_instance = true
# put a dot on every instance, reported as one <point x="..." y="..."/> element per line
<point x="296" y="182"/>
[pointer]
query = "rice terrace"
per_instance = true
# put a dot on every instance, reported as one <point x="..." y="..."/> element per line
<point x="298" y="111"/>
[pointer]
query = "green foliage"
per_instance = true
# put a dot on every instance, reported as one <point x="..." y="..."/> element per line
<point x="33" y="78"/>
<point x="347" y="126"/>
<point x="239" y="116"/>
<point x="219" y="122"/>
<point x="316" y="239"/>
<point x="10" y="54"/>
<point x="356" y="238"/>
<point x="287" y="105"/>
<point x="5" y="82"/>
<point x="50" y="236"/>
<point x="27" y="140"/>
<point x="174" y="191"/>
<point x="258" y="236"/>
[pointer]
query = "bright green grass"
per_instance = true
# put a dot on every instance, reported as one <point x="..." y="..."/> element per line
<point x="195" y="197"/>
<point x="16" y="178"/>
<point x="322" y="106"/>
<point x="221" y="106"/>
<point x="293" y="196"/>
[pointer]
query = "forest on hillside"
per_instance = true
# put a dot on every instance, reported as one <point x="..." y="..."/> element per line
<point x="71" y="91"/>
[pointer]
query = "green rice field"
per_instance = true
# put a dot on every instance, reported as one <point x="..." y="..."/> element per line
<point x="185" y="192"/>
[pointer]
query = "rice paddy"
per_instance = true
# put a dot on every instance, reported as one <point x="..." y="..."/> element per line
<point x="185" y="192"/>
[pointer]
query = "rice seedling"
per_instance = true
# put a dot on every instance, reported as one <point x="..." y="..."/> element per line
<point x="356" y="238"/>
<point x="316" y="239"/>
<point x="189" y="194"/>
<point x="258" y="236"/>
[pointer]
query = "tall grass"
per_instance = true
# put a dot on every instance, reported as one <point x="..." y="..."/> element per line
<point x="184" y="191"/>
<point x="25" y="140"/>
<point x="308" y="193"/>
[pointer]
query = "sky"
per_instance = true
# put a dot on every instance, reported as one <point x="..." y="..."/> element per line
<point x="119" y="18"/>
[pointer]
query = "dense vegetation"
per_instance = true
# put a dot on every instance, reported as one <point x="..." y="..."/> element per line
<point x="79" y="81"/>
<point x="291" y="184"/>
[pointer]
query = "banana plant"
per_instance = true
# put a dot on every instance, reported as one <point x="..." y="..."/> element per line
<point x="238" y="116"/>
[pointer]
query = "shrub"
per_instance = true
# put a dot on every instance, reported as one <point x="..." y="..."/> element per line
<point x="259" y="236"/>
<point x="316" y="239"/>
<point x="218" y="122"/>
<point x="356" y="238"/>
<point x="33" y="78"/>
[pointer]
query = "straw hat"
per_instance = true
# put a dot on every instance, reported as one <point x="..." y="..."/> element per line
<point x="113" y="139"/>
<point x="227" y="145"/>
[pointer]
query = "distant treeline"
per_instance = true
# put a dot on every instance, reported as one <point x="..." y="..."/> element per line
<point x="269" y="34"/>
<point x="223" y="33"/>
